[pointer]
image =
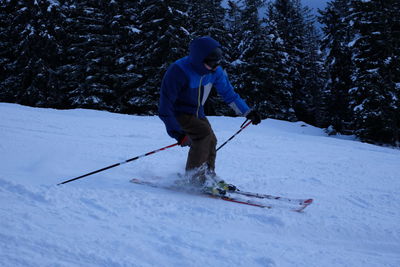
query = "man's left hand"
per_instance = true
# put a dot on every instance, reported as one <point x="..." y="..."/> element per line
<point x="254" y="116"/>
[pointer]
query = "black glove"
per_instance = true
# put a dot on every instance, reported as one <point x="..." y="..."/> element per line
<point x="185" y="141"/>
<point x="254" y="117"/>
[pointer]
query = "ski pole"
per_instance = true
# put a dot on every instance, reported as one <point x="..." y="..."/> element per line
<point x="118" y="164"/>
<point x="244" y="125"/>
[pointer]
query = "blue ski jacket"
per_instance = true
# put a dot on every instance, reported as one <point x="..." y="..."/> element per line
<point x="187" y="84"/>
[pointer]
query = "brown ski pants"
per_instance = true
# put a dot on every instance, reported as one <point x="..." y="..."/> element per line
<point x="203" y="148"/>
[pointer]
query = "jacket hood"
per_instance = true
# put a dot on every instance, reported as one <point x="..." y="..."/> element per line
<point x="199" y="49"/>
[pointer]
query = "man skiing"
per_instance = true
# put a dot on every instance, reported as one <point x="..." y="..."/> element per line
<point x="184" y="90"/>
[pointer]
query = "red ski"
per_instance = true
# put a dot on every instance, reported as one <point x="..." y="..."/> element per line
<point x="300" y="204"/>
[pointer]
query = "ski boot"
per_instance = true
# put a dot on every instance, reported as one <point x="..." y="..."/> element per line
<point x="227" y="187"/>
<point x="219" y="188"/>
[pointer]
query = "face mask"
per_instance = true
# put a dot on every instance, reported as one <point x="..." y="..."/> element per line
<point x="213" y="60"/>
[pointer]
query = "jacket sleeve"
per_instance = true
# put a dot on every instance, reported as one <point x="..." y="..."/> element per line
<point x="225" y="90"/>
<point x="174" y="80"/>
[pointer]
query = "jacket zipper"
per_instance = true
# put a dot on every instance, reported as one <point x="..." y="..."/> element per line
<point x="199" y="98"/>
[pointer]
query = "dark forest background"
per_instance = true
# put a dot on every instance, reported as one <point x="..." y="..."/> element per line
<point x="112" y="54"/>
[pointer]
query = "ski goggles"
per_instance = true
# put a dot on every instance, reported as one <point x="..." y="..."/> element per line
<point x="214" y="59"/>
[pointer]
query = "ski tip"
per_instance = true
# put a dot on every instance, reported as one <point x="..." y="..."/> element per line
<point x="305" y="204"/>
<point x="309" y="201"/>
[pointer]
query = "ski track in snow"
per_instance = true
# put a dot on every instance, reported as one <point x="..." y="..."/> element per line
<point x="103" y="220"/>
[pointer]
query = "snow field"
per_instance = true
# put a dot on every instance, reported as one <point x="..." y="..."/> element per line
<point x="103" y="220"/>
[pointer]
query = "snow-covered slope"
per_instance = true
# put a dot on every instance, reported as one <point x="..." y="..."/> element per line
<point x="103" y="220"/>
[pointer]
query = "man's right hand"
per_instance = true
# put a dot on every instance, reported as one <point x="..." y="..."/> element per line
<point x="185" y="141"/>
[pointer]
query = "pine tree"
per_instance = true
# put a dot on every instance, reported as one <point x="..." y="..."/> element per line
<point x="96" y="68"/>
<point x="301" y="60"/>
<point x="31" y="47"/>
<point x="123" y="72"/>
<point x="290" y="27"/>
<point x="277" y="83"/>
<point x="338" y="63"/>
<point x="89" y="51"/>
<point x="252" y="49"/>
<point x="375" y="47"/>
<point x="8" y="42"/>
<point x="232" y="62"/>
<point x="234" y="25"/>
<point x="294" y="25"/>
<point x="163" y="39"/>
<point x="308" y="103"/>
<point x="206" y="18"/>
